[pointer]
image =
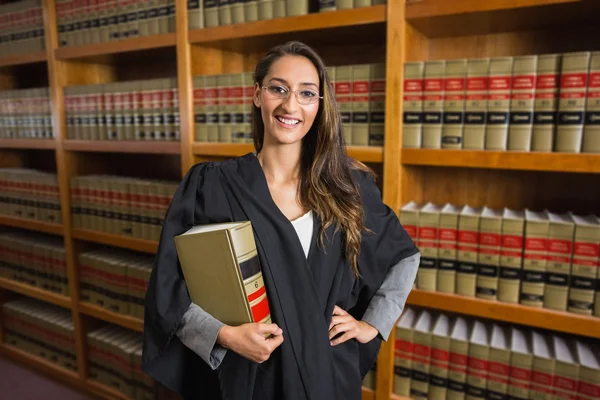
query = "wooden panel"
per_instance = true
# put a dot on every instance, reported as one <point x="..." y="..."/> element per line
<point x="126" y="321"/>
<point x="514" y="313"/>
<point x="525" y="161"/>
<point x="557" y="192"/>
<point x="27" y="143"/>
<point x="121" y="146"/>
<point x="20" y="59"/>
<point x="124" y="242"/>
<point x="436" y="18"/>
<point x="31" y="224"/>
<point x="368" y="394"/>
<point x="35" y="292"/>
<point x="104" y="391"/>
<point x="39" y="364"/>
<point x="116" y="46"/>
<point x="146" y="166"/>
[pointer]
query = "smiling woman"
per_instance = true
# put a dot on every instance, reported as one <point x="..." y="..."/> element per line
<point x="336" y="262"/>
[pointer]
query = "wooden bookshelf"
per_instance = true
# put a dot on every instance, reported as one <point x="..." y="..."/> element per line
<point x="22" y="59"/>
<point x="31" y="225"/>
<point x="361" y="153"/>
<point x="368" y="394"/>
<point x="116" y="46"/>
<point x="39" y="144"/>
<point x="44" y="366"/>
<point x="35" y="292"/>
<point x="126" y="321"/>
<point x="105" y="391"/>
<point x="123" y="146"/>
<point x="524" y="161"/>
<point x="560" y="321"/>
<point x="123" y="242"/>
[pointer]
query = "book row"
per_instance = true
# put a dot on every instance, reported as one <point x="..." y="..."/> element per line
<point x="211" y="13"/>
<point x="442" y="356"/>
<point x="132" y="110"/>
<point x="115" y="279"/>
<point x="41" y="329"/>
<point x="35" y="259"/>
<point x="30" y="194"/>
<point x="120" y="205"/>
<point x="223" y="105"/>
<point x="538" y="259"/>
<point x="548" y="103"/>
<point x="26" y="114"/>
<point x="82" y="22"/>
<point x="21" y="27"/>
<point x="115" y="357"/>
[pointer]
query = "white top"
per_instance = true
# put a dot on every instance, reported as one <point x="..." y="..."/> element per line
<point x="304" y="229"/>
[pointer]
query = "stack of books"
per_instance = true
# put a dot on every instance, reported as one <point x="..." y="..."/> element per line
<point x="25" y="114"/>
<point x="21" y="28"/>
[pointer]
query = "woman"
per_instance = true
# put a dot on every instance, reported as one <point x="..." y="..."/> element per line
<point x="336" y="262"/>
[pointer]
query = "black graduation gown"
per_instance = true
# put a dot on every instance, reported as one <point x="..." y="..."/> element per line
<point x="302" y="293"/>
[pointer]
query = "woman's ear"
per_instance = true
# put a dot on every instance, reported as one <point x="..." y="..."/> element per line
<point x="256" y="97"/>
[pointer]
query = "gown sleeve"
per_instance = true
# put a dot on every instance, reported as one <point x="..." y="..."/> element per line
<point x="199" y="199"/>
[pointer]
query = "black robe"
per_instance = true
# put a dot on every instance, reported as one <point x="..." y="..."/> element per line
<point x="302" y="292"/>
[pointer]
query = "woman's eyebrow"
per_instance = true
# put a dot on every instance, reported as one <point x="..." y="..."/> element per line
<point x="301" y="83"/>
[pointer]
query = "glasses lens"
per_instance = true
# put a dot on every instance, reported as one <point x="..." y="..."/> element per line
<point x="277" y="91"/>
<point x="307" y="97"/>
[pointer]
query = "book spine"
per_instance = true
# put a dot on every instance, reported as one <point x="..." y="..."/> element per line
<point x="522" y="102"/>
<point x="591" y="133"/>
<point x="237" y="100"/>
<point x="377" y="105"/>
<point x="412" y="105"/>
<point x="279" y="9"/>
<point x="238" y="12"/>
<point x="200" y="128"/>
<point x="560" y="248"/>
<point x="542" y="378"/>
<point x="498" y="373"/>
<point x="404" y="349"/>
<point x="440" y="358"/>
<point x="211" y="13"/>
<point x="344" y="4"/>
<point x="251" y="10"/>
<point x="520" y="376"/>
<point x="343" y="94"/>
<point x="488" y="264"/>
<point x="212" y="108"/>
<point x="468" y="249"/>
<point x="428" y="244"/>
<point x="477" y="371"/>
<point x="248" y="106"/>
<point x="546" y="102"/>
<point x="571" y="108"/>
<point x="297" y="7"/>
<point x="511" y="259"/>
<point x="419" y="383"/>
<point x="566" y="376"/>
<point x="454" y="104"/>
<point x="360" y="104"/>
<point x="586" y="256"/>
<point x="498" y="103"/>
<point x="448" y="237"/>
<point x="433" y="104"/>
<point x="225" y="17"/>
<point x="327" y="5"/>
<point x="534" y="267"/>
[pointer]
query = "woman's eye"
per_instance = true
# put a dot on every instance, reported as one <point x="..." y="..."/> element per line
<point x="307" y="93"/>
<point x="278" y="89"/>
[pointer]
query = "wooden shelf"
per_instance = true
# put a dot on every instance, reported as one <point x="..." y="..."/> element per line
<point x="438" y="18"/>
<point x="126" y="321"/>
<point x="43" y="144"/>
<point x="35" y="292"/>
<point x="146" y="246"/>
<point x="396" y="397"/>
<point x="105" y="391"/>
<point x="123" y="146"/>
<point x="560" y="321"/>
<point x="21" y="59"/>
<point x="361" y="153"/>
<point x="368" y="394"/>
<point x="525" y="161"/>
<point x="116" y="46"/>
<point x="314" y="24"/>
<point x="31" y="224"/>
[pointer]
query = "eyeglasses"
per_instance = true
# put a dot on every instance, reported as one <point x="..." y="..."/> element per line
<point x="303" y="96"/>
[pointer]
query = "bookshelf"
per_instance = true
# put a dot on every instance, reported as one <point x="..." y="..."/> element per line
<point x="394" y="33"/>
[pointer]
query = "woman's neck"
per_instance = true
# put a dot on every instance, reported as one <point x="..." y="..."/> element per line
<point x="280" y="164"/>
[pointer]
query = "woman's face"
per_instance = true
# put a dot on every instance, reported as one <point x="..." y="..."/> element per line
<point x="286" y="120"/>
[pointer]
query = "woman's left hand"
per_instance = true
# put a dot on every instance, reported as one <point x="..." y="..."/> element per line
<point x="344" y="322"/>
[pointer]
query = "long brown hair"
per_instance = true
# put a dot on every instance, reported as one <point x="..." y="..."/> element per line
<point x="326" y="185"/>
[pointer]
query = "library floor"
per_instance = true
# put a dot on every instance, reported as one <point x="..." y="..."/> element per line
<point x="20" y="383"/>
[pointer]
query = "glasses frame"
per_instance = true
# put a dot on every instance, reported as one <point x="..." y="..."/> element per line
<point x="291" y="91"/>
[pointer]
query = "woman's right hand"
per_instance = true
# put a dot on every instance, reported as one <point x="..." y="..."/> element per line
<point x="253" y="341"/>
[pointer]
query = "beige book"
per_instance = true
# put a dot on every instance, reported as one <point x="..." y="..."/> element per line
<point x="233" y="293"/>
<point x="588" y="357"/>
<point x="237" y="12"/>
<point x="377" y="105"/>
<point x="542" y="374"/>
<point x="433" y="104"/>
<point x="403" y="351"/>
<point x="454" y="103"/>
<point x="360" y="103"/>
<point x="468" y="250"/>
<point x="362" y="3"/>
<point x="343" y="96"/>
<point x="591" y="132"/>
<point x="225" y="109"/>
<point x="535" y="258"/>
<point x="410" y="219"/>
<point x="212" y="108"/>
<point x="521" y="363"/>
<point x="248" y="81"/>
<point x="500" y="73"/>
<point x="265" y="9"/>
<point x="447" y="249"/>
<point x="490" y="232"/>
<point x="237" y="108"/>
<point x="440" y="357"/>
<point x="584" y="274"/>
<point x="327" y="5"/>
<point x="429" y="224"/>
<point x="200" y="126"/>
<point x="560" y="256"/>
<point x="597" y="298"/>
<point x="479" y="348"/>
<point x="419" y="383"/>
<point x="196" y="14"/>
<point x="157" y="110"/>
<point x="522" y="103"/>
<point x="211" y="13"/>
<point x="546" y="102"/>
<point x="412" y="104"/>
<point x="164" y="17"/>
<point x="224" y="6"/>
<point x="251" y="10"/>
<point x="566" y="369"/>
<point x="344" y="4"/>
<point x="279" y="9"/>
<point x="499" y="363"/>
<point x="571" y="107"/>
<point x="511" y="256"/>
<point x="296" y="7"/>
